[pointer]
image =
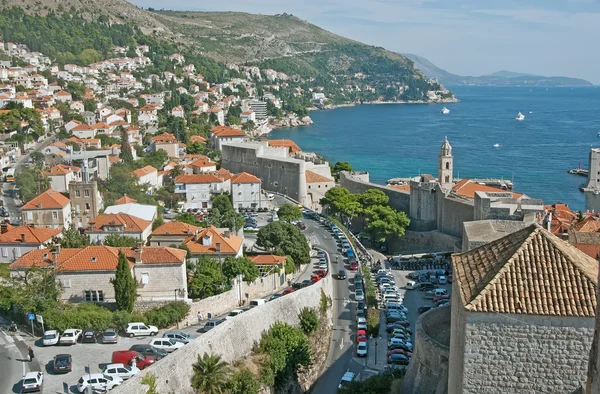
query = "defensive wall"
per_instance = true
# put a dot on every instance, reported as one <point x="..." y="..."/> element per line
<point x="232" y="340"/>
<point x="359" y="183"/>
<point x="428" y="369"/>
<point x="453" y="211"/>
<point x="424" y="242"/>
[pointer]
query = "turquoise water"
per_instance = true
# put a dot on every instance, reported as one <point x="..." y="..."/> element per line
<point x="401" y="140"/>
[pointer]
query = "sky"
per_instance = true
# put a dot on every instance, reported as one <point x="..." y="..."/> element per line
<point x="465" y="37"/>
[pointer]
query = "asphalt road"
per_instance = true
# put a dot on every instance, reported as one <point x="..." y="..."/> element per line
<point x="13" y="363"/>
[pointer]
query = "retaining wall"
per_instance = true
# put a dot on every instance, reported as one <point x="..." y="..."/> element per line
<point x="232" y="340"/>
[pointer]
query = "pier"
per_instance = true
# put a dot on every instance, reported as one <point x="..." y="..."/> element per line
<point x="579" y="171"/>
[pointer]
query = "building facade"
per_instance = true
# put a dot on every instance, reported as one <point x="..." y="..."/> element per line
<point x="17" y="241"/>
<point x="246" y="191"/>
<point x="197" y="190"/>
<point x="49" y="209"/>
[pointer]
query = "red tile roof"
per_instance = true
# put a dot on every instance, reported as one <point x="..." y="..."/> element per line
<point x="129" y="223"/>
<point x="244" y="177"/>
<point x="313" y="177"/>
<point x="29" y="235"/>
<point x="61" y="169"/>
<point x="198" y="178"/>
<point x="125" y="200"/>
<point x="226" y="131"/>
<point x="165" y="138"/>
<point x="49" y="199"/>
<point x="140" y="172"/>
<point x="467" y="188"/>
<point x="176" y="228"/>
<point x="267" y="259"/>
<point x="289" y="144"/>
<point x="229" y="245"/>
<point x="590" y="224"/>
<point x="198" y="138"/>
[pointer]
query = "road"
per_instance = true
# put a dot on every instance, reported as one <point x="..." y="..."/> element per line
<point x="13" y="362"/>
<point x="9" y="196"/>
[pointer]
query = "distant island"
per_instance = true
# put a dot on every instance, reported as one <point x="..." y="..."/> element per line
<point x="499" y="78"/>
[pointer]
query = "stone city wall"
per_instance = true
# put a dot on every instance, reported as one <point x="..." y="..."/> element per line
<point x="423" y="242"/>
<point x="452" y="213"/>
<point x="398" y="199"/>
<point x="428" y="369"/>
<point x="232" y="340"/>
<point x="511" y="353"/>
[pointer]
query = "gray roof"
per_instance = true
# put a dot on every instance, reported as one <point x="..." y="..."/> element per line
<point x="146" y="212"/>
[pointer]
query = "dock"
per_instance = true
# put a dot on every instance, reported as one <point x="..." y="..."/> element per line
<point x="579" y="171"/>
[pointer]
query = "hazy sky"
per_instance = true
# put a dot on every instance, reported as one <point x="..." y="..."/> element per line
<point x="465" y="37"/>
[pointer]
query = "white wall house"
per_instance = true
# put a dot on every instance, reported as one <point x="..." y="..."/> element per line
<point x="246" y="191"/>
<point x="196" y="190"/>
<point x="61" y="175"/>
<point x="148" y="176"/>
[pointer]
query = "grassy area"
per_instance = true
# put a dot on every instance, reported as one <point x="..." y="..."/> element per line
<point x="4" y="270"/>
<point x="373" y="322"/>
<point x="371" y="293"/>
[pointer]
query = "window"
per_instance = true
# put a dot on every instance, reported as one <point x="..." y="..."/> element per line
<point x="447" y="165"/>
<point x="86" y="192"/>
<point x="77" y="193"/>
<point x="30" y="214"/>
<point x="55" y="215"/>
<point x="65" y="283"/>
<point x="87" y="206"/>
<point x="94" y="296"/>
<point x="145" y="278"/>
<point x="447" y="179"/>
<point x="4" y="252"/>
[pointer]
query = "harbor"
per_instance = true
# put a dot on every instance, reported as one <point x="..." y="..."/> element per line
<point x="498" y="183"/>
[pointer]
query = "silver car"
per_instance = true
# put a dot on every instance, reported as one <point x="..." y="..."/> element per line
<point x="179" y="336"/>
<point x="110" y="335"/>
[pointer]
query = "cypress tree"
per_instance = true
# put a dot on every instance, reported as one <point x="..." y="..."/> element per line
<point x="124" y="284"/>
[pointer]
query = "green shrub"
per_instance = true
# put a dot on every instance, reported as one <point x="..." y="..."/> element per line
<point x="309" y="320"/>
<point x="373" y="322"/>
<point x="121" y="318"/>
<point x="167" y="315"/>
<point x="323" y="301"/>
<point x="80" y="316"/>
<point x="371" y="293"/>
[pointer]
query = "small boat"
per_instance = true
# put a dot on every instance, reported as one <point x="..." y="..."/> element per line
<point x="530" y="112"/>
<point x="596" y="192"/>
<point x="520" y="116"/>
<point x="445" y="111"/>
<point x="496" y="145"/>
<point x="598" y="134"/>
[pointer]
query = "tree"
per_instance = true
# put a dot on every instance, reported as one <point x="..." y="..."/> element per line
<point x="243" y="382"/>
<point x="222" y="203"/>
<point x="194" y="148"/>
<point x="371" y="198"/>
<point x="119" y="241"/>
<point x="377" y="384"/>
<point x="189" y="218"/>
<point x="290" y="267"/>
<point x="210" y="374"/>
<point x="285" y="240"/>
<point x="206" y="279"/>
<point x="36" y="291"/>
<point x="289" y="212"/>
<point x="249" y="126"/>
<point x="342" y="166"/>
<point x="73" y="238"/>
<point x="342" y="201"/>
<point x="222" y="214"/>
<point x="125" y="154"/>
<point x="309" y="320"/>
<point x="31" y="182"/>
<point x="156" y="223"/>
<point x="381" y="221"/>
<point x="124" y="284"/>
<point x="234" y="266"/>
<point x="37" y="158"/>
<point x="150" y="381"/>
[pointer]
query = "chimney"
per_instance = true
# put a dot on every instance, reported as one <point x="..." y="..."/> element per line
<point x="549" y="221"/>
<point x="57" y="249"/>
<point x="22" y="237"/>
<point x="3" y="228"/>
<point x="196" y="235"/>
<point x="226" y="233"/>
<point x="138" y="253"/>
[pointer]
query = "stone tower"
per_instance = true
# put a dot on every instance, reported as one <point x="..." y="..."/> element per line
<point x="446" y="165"/>
<point x="594" y="174"/>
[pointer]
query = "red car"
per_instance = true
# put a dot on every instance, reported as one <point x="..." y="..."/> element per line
<point x="314" y="278"/>
<point x="361" y="336"/>
<point x="353" y="265"/>
<point x="321" y="273"/>
<point x="399" y="351"/>
<point x="442" y="297"/>
<point x="288" y="291"/>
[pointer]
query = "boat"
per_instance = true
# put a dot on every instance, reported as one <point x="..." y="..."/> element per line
<point x="496" y="145"/>
<point x="598" y="134"/>
<point x="445" y="111"/>
<point x="596" y="192"/>
<point x="530" y="112"/>
<point x="520" y="116"/>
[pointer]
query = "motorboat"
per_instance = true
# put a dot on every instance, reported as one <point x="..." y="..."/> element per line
<point x="496" y="145"/>
<point x="520" y="116"/>
<point x="445" y="111"/>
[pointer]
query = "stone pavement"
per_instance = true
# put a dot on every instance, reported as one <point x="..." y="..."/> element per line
<point x="377" y="355"/>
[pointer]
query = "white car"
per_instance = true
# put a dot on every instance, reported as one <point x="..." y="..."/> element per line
<point x="70" y="337"/>
<point x="361" y="349"/>
<point x="32" y="381"/>
<point x="323" y="266"/>
<point x="50" y="338"/>
<point x="98" y="382"/>
<point x="168" y="344"/>
<point x="234" y="313"/>
<point x="120" y="371"/>
<point x="140" y="329"/>
<point x="361" y="323"/>
<point x="359" y="295"/>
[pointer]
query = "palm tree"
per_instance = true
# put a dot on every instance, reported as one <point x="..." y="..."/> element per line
<point x="210" y="374"/>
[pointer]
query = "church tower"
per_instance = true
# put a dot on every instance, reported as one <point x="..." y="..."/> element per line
<point x="446" y="165"/>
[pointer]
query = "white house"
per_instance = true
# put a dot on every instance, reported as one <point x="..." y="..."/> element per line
<point x="247" y="116"/>
<point x="84" y="131"/>
<point x="119" y="223"/>
<point x="178" y="112"/>
<point x="148" y="176"/>
<point x="16" y="241"/>
<point x="49" y="209"/>
<point x="218" y="111"/>
<point x="222" y="134"/>
<point x="77" y="106"/>
<point x="246" y="191"/>
<point x="198" y="189"/>
<point x="61" y="175"/>
<point x="63" y="96"/>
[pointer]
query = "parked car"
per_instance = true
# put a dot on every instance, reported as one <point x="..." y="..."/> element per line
<point x="120" y="371"/>
<point x="400" y="345"/>
<point x="98" y="382"/>
<point x="287" y="291"/>
<point x="399" y="351"/>
<point x="346" y="378"/>
<point x="140" y="329"/>
<point x="399" y="359"/>
<point x="70" y="336"/>
<point x="426" y="286"/>
<point x="62" y="363"/>
<point x="442" y="280"/>
<point x="277" y="295"/>
<point x="361" y="349"/>
<point x="32" y="381"/>
<point x="361" y="336"/>
<point x="411" y="285"/>
<point x="360" y="305"/>
<point x="149" y="350"/>
<point x="184" y="337"/>
<point x="392" y="327"/>
<point x="441" y="303"/>
<point x="110" y="335"/>
<point x="125" y="357"/>
<point x="50" y="338"/>
<point x="212" y="324"/>
<point x="424" y="308"/>
<point x="441" y="297"/>
<point x="359" y="295"/>
<point x="361" y="323"/>
<point x="315" y="278"/>
<point x="306" y="283"/>
<point x="88" y="336"/>
<point x="360" y="313"/>
<point x="353" y="265"/>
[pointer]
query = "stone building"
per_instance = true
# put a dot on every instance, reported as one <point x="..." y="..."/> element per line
<point x="523" y="310"/>
<point x="214" y="243"/>
<point x="593" y="381"/>
<point x="49" y="209"/>
<point x="61" y="175"/>
<point x="316" y="187"/>
<point x="446" y="165"/>
<point x="85" y="273"/>
<point x="118" y="223"/>
<point x="246" y="191"/>
<point x="594" y="171"/>
<point x="86" y="200"/>
<point x="16" y="241"/>
<point x="172" y="233"/>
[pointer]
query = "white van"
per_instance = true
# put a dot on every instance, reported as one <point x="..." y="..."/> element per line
<point x="270" y="196"/>
<point x="411" y="285"/>
<point x="257" y="302"/>
<point x="442" y="280"/>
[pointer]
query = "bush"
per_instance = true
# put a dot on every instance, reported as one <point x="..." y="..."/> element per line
<point x="373" y="322"/>
<point x="121" y="318"/>
<point x="167" y="315"/>
<point x="81" y="316"/>
<point x="371" y="293"/>
<point x="323" y="301"/>
<point x="309" y="320"/>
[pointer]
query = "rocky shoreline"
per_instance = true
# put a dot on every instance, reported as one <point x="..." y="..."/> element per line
<point x="288" y="122"/>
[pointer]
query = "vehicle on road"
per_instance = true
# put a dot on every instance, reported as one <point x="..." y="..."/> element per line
<point x="149" y="350"/>
<point x="305" y="283"/>
<point x="353" y="265"/>
<point x="359" y="295"/>
<point x="347" y="378"/>
<point x="98" y="382"/>
<point x="110" y="335"/>
<point x="125" y="357"/>
<point x="361" y="349"/>
<point x="212" y="324"/>
<point x="361" y="323"/>
<point x="442" y="280"/>
<point x="120" y="371"/>
<point x="32" y="381"/>
<point x="140" y="329"/>
<point x="62" y="363"/>
<point x="361" y="336"/>
<point x="88" y="336"/>
<point x="50" y="338"/>
<point x="277" y="295"/>
<point x="411" y="285"/>
<point x="315" y="278"/>
<point x="399" y="359"/>
<point x="424" y="308"/>
<point x="184" y="337"/>
<point x="233" y="314"/>
<point x="257" y="302"/>
<point x="287" y="291"/>
<point x="431" y="294"/>
<point x="70" y="336"/>
<point x="426" y="286"/>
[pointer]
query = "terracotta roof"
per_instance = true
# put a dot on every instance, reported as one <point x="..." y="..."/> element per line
<point x="527" y="272"/>
<point x="203" y="163"/>
<point x="467" y="188"/>
<point x="229" y="245"/>
<point x="289" y="144"/>
<point x="198" y="138"/>
<point x="29" y="235"/>
<point x="267" y="259"/>
<point x="61" y="169"/>
<point x="226" y="131"/>
<point x="590" y="224"/>
<point x="176" y="228"/>
<point x="114" y="159"/>
<point x="404" y="188"/>
<point x="130" y="224"/>
<point x="244" y="177"/>
<point x="82" y="127"/>
<point x="125" y="200"/>
<point x="140" y="172"/>
<point x="313" y="177"/>
<point x="165" y="138"/>
<point x="49" y="199"/>
<point x="97" y="258"/>
<point x="197" y="178"/>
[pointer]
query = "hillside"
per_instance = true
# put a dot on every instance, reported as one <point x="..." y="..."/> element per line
<point x="499" y="78"/>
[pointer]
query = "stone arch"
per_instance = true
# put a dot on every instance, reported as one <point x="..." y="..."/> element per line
<point x="447" y="165"/>
<point x="447" y="180"/>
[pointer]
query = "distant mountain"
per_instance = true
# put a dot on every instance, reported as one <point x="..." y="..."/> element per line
<point x="499" y="78"/>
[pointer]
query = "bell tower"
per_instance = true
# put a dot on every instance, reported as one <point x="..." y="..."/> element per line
<point x="445" y="165"/>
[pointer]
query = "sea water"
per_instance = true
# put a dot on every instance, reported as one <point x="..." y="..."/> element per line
<point x="403" y="140"/>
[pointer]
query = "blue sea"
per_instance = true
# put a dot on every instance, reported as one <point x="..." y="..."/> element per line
<point x="402" y="140"/>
